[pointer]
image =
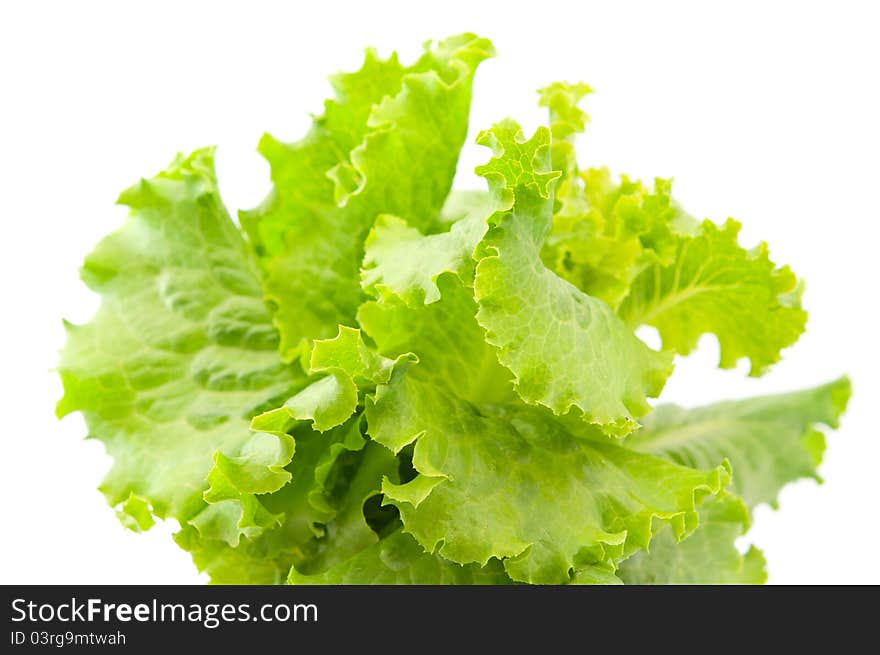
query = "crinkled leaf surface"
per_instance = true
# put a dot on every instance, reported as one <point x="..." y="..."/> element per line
<point x="467" y="360"/>
<point x="716" y="286"/>
<point x="637" y="250"/>
<point x="605" y="232"/>
<point x="566" y="349"/>
<point x="135" y="514"/>
<point x="398" y="559"/>
<point x="182" y="351"/>
<point x="349" y="484"/>
<point x="450" y="344"/>
<point x="402" y="262"/>
<point x="512" y="482"/>
<point x="708" y="556"/>
<point x="769" y="440"/>
<point x="328" y="473"/>
<point x="388" y="143"/>
<point x="331" y="400"/>
<point x="425" y="303"/>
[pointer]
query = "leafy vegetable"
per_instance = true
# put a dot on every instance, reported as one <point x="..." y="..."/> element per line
<point x="379" y="380"/>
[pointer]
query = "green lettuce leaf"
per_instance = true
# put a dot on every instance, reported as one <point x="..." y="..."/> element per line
<point x="716" y="286"/>
<point x="388" y="143"/>
<point x="375" y="379"/>
<point x="606" y="232"/>
<point x="223" y="564"/>
<point x="398" y="559"/>
<point x="135" y="514"/>
<point x="566" y="349"/>
<point x="559" y="500"/>
<point x="708" y="556"/>
<point x="567" y="120"/>
<point x="769" y="440"/>
<point x="350" y="365"/>
<point x="351" y="482"/>
<point x="305" y="442"/>
<point x="331" y="475"/>
<point x="425" y="304"/>
<point x="182" y="352"/>
<point x="641" y="253"/>
<point x="402" y="262"/>
<point x="447" y="339"/>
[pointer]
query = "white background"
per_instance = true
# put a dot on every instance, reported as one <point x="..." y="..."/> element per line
<point x="766" y="112"/>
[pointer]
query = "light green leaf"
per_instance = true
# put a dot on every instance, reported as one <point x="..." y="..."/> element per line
<point x="388" y="143"/>
<point x="401" y="262"/>
<point x="303" y="510"/>
<point x="594" y="575"/>
<point x="425" y="304"/>
<point x="566" y="349"/>
<point x="257" y="467"/>
<point x="232" y="514"/>
<point x="345" y="486"/>
<point x="769" y="440"/>
<point x="708" y="556"/>
<point x="326" y="403"/>
<point x="398" y="559"/>
<point x="299" y="170"/>
<point x="348" y="354"/>
<point x="135" y="514"/>
<point x="567" y="120"/>
<point x="305" y="501"/>
<point x="447" y="339"/>
<point x="474" y="205"/>
<point x="513" y="482"/>
<point x="378" y="380"/>
<point x="182" y="352"/>
<point x="223" y="564"/>
<point x="640" y="252"/>
<point x="716" y="286"/>
<point x="331" y="400"/>
<point x="606" y="232"/>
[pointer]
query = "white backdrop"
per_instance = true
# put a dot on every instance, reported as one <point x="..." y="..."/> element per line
<point x="767" y="112"/>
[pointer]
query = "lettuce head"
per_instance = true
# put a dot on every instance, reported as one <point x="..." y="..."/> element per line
<point x="375" y="378"/>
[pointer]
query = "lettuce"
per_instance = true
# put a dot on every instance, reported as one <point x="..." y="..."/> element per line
<point x="379" y="379"/>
